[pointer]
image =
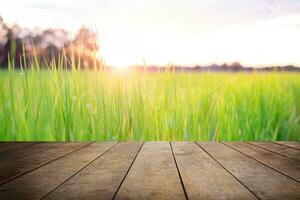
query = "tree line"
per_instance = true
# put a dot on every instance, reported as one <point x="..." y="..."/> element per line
<point x="25" y="48"/>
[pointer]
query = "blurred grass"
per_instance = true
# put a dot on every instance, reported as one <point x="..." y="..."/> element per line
<point x="87" y="105"/>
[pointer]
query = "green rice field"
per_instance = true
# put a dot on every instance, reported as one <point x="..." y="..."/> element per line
<point x="58" y="105"/>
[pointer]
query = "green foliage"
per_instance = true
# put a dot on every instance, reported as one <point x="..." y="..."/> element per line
<point x="87" y="105"/>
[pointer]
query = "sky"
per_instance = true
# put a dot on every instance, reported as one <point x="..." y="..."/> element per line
<point x="181" y="32"/>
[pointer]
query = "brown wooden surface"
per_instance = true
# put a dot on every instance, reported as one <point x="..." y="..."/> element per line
<point x="150" y="170"/>
<point x="37" y="184"/>
<point x="12" y="170"/>
<point x="287" y="166"/>
<point x="153" y="175"/>
<point x="9" y="146"/>
<point x="28" y="150"/>
<point x="203" y="177"/>
<point x="292" y="144"/>
<point x="258" y="178"/>
<point x="282" y="150"/>
<point x="102" y="178"/>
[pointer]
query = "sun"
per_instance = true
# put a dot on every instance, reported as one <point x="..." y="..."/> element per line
<point x="120" y="67"/>
<point x="114" y="65"/>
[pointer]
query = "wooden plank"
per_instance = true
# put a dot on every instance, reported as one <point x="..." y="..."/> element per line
<point x="10" y="146"/>
<point x="101" y="179"/>
<point x="204" y="178"/>
<point x="19" y="153"/>
<point x="280" y="149"/>
<point x="12" y="170"/>
<point x="40" y="182"/>
<point x="6" y="143"/>
<point x="284" y="165"/>
<point x="153" y="175"/>
<point x="292" y="144"/>
<point x="260" y="179"/>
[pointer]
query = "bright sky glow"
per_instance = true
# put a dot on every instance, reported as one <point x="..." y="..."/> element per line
<point x="184" y="32"/>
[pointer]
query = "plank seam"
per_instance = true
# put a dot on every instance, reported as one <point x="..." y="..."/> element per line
<point x="285" y="145"/>
<point x="78" y="171"/>
<point x="271" y="151"/>
<point x="261" y="163"/>
<point x="25" y="156"/>
<point x="252" y="192"/>
<point x="127" y="171"/>
<point x="178" y="171"/>
<point x="27" y="172"/>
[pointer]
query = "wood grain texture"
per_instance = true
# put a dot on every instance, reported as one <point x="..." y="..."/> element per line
<point x="158" y="170"/>
<point x="285" y="165"/>
<point x="153" y="175"/>
<point x="203" y="177"/>
<point x="10" y="146"/>
<point x="280" y="149"/>
<point x="19" y="153"/>
<point x="260" y="179"/>
<point x="292" y="144"/>
<point x="6" y="143"/>
<point x="40" y="182"/>
<point x="101" y="179"/>
<point x="12" y="170"/>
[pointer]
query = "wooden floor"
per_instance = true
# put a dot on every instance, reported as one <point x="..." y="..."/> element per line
<point x="150" y="170"/>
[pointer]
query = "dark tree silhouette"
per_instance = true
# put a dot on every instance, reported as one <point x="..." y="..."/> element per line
<point x="47" y="46"/>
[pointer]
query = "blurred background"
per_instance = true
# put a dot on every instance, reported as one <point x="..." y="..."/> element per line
<point x="255" y="33"/>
